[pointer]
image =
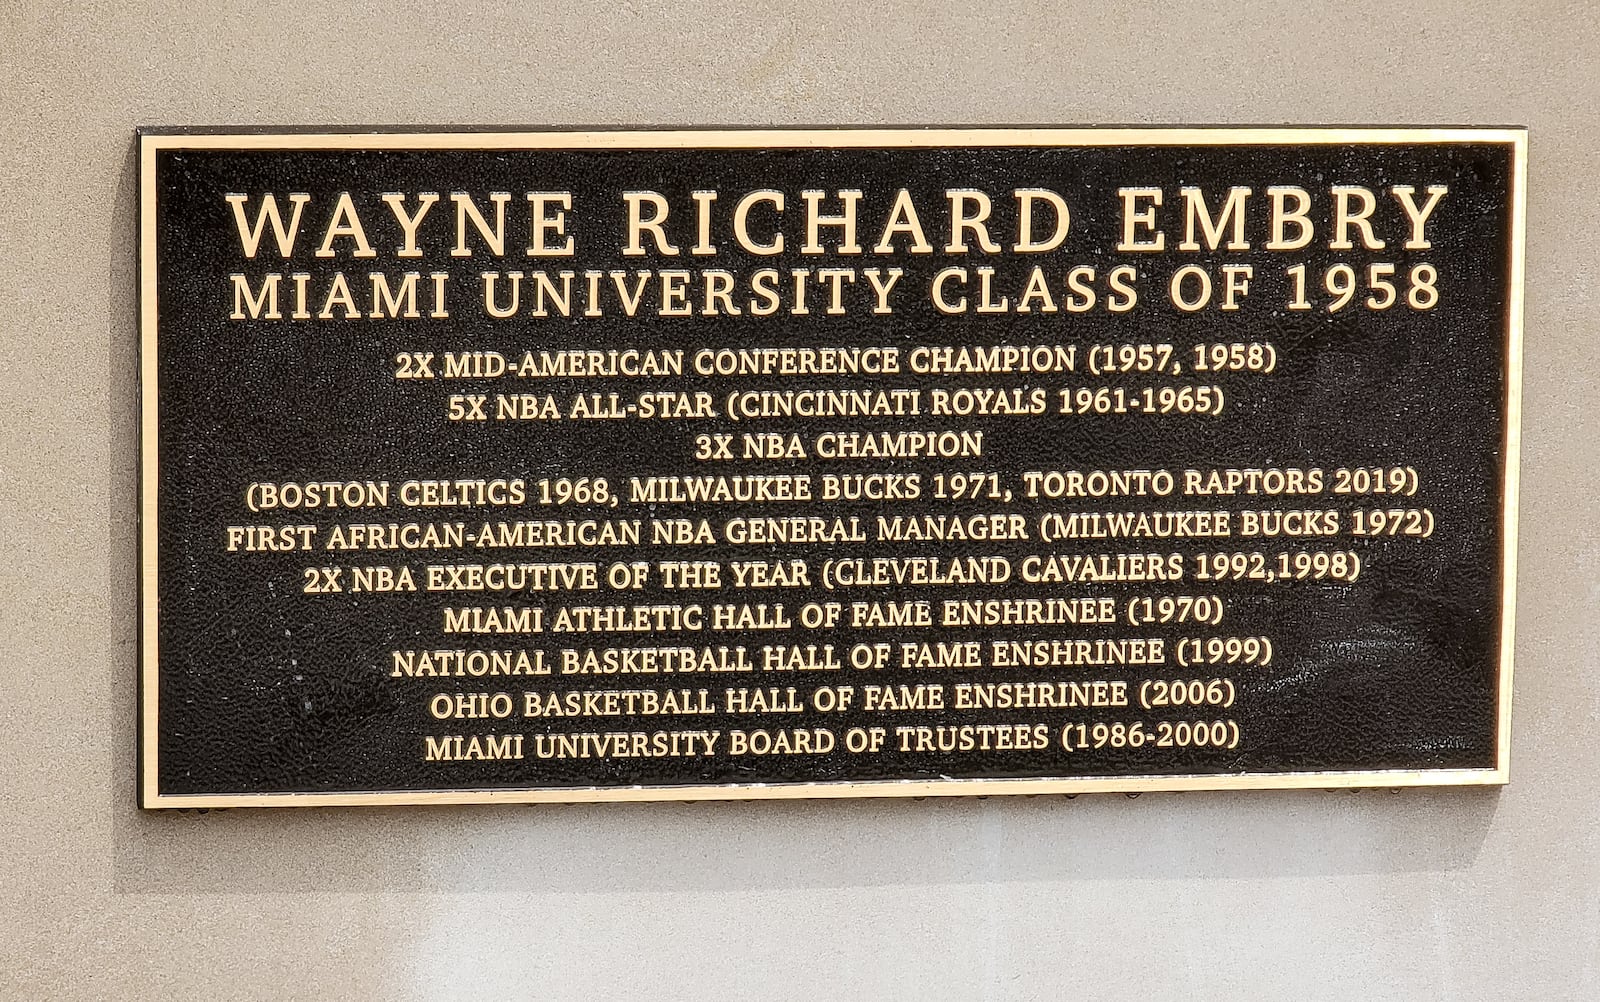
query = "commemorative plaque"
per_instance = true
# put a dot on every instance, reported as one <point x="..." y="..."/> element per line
<point x="542" y="466"/>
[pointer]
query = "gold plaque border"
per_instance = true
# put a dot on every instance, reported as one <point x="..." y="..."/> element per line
<point x="153" y="142"/>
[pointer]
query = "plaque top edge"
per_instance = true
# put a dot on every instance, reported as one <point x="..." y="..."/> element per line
<point x="741" y="137"/>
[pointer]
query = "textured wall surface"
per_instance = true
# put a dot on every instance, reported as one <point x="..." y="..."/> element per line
<point x="1412" y="895"/>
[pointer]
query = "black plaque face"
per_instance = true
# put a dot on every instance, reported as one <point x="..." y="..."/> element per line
<point x="628" y="466"/>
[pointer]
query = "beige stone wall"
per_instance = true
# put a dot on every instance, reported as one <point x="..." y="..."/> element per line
<point x="1415" y="895"/>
